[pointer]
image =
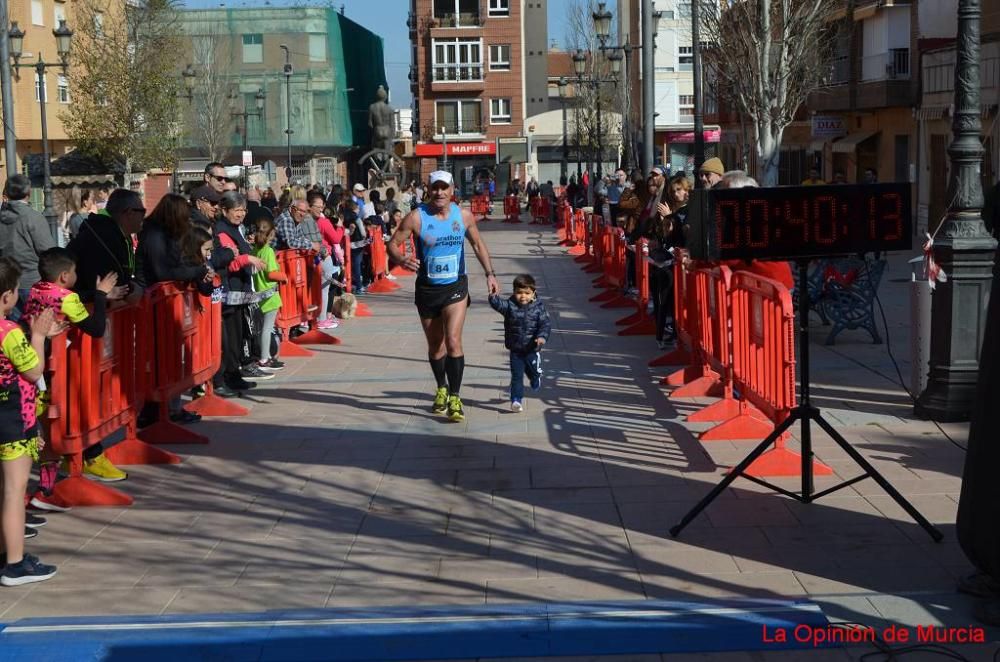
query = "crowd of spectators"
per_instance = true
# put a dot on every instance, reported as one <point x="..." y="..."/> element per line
<point x="224" y="242"/>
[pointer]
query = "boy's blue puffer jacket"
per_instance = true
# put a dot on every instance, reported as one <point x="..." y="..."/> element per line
<point x="522" y="325"/>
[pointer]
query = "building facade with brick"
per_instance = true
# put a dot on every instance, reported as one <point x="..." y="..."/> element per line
<point x="478" y="69"/>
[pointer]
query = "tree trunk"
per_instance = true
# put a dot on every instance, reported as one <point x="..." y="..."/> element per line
<point x="768" y="155"/>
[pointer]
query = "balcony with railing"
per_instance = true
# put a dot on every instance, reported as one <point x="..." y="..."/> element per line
<point x="893" y="64"/>
<point x="840" y="71"/>
<point x="458" y="77"/>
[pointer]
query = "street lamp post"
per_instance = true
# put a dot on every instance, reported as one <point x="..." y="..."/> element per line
<point x="246" y="115"/>
<point x="564" y="166"/>
<point x="962" y="247"/>
<point x="579" y="68"/>
<point x="650" y="26"/>
<point x="288" y="108"/>
<point x="64" y="40"/>
<point x="189" y="75"/>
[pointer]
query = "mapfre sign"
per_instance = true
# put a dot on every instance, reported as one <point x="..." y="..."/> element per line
<point x="828" y="126"/>
<point x="456" y="149"/>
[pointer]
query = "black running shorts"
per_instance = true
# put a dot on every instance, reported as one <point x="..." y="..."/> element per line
<point x="432" y="299"/>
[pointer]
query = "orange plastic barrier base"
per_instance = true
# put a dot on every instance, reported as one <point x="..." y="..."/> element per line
<point x="707" y="385"/>
<point x="747" y="424"/>
<point x="644" y="327"/>
<point x="316" y="337"/>
<point x="383" y="286"/>
<point x="606" y="295"/>
<point x="717" y="412"/>
<point x="783" y="462"/>
<point x="291" y="349"/>
<point x="212" y="405"/>
<point x="134" y="451"/>
<point x="629" y="320"/>
<point x="688" y="375"/>
<point x="619" y="301"/>
<point x="584" y="258"/>
<point x="678" y="356"/>
<point x="576" y="251"/>
<point x="80" y="491"/>
<point x="165" y="432"/>
<point x="363" y="310"/>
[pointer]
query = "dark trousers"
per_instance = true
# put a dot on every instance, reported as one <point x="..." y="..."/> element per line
<point x="530" y="364"/>
<point x="661" y="291"/>
<point x="232" y="345"/>
<point x="357" y="276"/>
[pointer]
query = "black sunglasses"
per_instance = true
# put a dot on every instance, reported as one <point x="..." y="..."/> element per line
<point x="218" y="178"/>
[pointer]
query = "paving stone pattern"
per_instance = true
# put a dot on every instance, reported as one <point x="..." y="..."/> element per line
<point x="342" y="488"/>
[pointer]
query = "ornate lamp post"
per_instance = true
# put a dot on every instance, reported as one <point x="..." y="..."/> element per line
<point x="579" y="68"/>
<point x="564" y="165"/>
<point x="288" y="108"/>
<point x="64" y="41"/>
<point x="650" y="26"/>
<point x="259" y="99"/>
<point x="963" y="247"/>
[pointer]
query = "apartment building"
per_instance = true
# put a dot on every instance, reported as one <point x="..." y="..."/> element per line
<point x="337" y="66"/>
<point x="934" y="116"/>
<point x="37" y="18"/>
<point x="478" y="69"/>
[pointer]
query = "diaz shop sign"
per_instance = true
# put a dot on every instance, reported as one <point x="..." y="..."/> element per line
<point x="828" y="126"/>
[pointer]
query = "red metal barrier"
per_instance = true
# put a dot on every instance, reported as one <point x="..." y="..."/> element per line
<point x="563" y="215"/>
<point x="763" y="364"/>
<point x="617" y="273"/>
<point x="380" y="264"/>
<point x="578" y="235"/>
<point x="209" y="339"/>
<point x="511" y="209"/>
<point x="640" y="323"/>
<point x="587" y="258"/>
<point x="295" y="298"/>
<point x="94" y="389"/>
<point x="175" y="359"/>
<point x="684" y="321"/>
<point x="362" y="310"/>
<point x="481" y="206"/>
<point x="400" y="270"/>
<point x="541" y="210"/>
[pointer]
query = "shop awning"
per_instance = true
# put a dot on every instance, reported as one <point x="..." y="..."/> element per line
<point x="926" y="113"/>
<point x="850" y="142"/>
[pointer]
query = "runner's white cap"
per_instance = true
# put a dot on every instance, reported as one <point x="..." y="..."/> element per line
<point x="441" y="176"/>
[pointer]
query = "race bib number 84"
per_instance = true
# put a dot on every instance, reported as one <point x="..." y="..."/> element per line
<point x="443" y="267"/>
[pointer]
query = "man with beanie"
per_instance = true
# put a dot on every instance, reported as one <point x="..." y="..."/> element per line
<point x="711" y="171"/>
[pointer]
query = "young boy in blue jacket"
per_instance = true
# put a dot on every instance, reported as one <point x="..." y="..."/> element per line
<point x="526" y="328"/>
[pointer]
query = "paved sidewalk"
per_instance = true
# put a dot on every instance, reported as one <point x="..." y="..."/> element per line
<point x="341" y="488"/>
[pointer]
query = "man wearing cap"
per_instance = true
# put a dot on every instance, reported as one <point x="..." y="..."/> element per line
<point x="365" y="208"/>
<point x="711" y="171"/>
<point x="205" y="207"/>
<point x="442" y="289"/>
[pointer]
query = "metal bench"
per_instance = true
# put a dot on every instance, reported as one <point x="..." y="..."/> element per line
<point x="848" y="295"/>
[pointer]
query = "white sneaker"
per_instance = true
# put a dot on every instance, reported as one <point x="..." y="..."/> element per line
<point x="390" y="277"/>
<point x="516" y="406"/>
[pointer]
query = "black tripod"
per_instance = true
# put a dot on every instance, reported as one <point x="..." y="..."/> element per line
<point x="807" y="413"/>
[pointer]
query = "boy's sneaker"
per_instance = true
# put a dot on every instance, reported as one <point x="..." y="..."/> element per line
<point x="440" y="401"/>
<point x="263" y="366"/>
<point x="49" y="502"/>
<point x="253" y="373"/>
<point x="390" y="277"/>
<point x="33" y="521"/>
<point x="29" y="532"/>
<point x="275" y="364"/>
<point x="455" y="411"/>
<point x="27" y="571"/>
<point x="101" y="468"/>
<point x="516" y="406"/>
<point x="328" y="323"/>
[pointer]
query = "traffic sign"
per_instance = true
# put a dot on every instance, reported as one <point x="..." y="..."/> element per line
<point x="247" y="158"/>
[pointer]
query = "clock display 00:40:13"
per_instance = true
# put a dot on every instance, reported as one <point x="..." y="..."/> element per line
<point x="793" y="223"/>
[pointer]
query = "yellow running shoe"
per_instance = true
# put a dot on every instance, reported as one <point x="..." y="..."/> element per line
<point x="100" y="468"/>
<point x="440" y="401"/>
<point x="455" y="411"/>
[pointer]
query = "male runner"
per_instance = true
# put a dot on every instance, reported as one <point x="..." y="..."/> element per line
<point x="442" y="290"/>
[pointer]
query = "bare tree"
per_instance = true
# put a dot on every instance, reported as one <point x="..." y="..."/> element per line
<point x="124" y="89"/>
<point x="210" y="118"/>
<point x="766" y="57"/>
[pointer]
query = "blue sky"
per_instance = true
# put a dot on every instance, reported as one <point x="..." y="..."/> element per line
<point x="386" y="18"/>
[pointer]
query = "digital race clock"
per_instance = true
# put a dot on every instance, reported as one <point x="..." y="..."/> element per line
<point x="790" y="222"/>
